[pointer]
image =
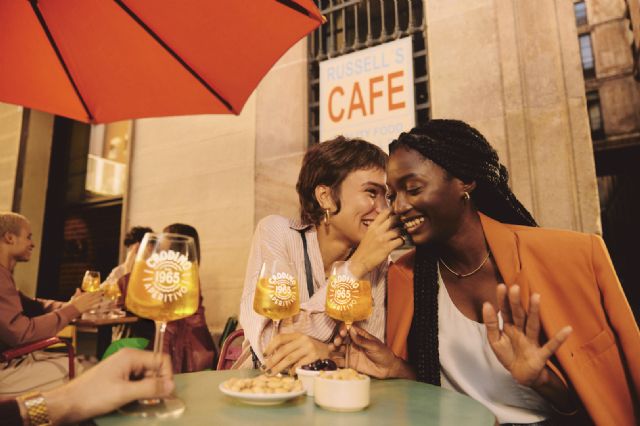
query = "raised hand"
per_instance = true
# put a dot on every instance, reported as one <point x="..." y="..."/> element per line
<point x="382" y="237"/>
<point x="517" y="345"/>
<point x="84" y="302"/>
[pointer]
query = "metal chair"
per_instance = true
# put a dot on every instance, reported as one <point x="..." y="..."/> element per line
<point x="27" y="348"/>
<point x="231" y="349"/>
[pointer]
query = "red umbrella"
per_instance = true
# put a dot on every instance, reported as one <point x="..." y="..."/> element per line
<point x="109" y="60"/>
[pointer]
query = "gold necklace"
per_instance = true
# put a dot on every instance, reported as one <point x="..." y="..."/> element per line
<point x="459" y="275"/>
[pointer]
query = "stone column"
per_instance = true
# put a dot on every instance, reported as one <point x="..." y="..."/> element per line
<point x="282" y="123"/>
<point x="10" y="127"/>
<point x="199" y="170"/>
<point x="30" y="179"/>
<point x="512" y="69"/>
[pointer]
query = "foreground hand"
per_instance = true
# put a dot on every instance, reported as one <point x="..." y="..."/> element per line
<point x="84" y="302"/>
<point x="293" y="350"/>
<point x="370" y="356"/>
<point x="124" y="377"/>
<point x="382" y="237"/>
<point x="517" y="346"/>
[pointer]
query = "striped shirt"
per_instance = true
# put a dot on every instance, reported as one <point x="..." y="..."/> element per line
<point x="278" y="238"/>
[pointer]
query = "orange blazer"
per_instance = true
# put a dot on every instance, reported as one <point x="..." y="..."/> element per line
<point x="578" y="286"/>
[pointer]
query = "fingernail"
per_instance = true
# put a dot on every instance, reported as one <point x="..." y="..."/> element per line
<point x="268" y="372"/>
<point x="263" y="367"/>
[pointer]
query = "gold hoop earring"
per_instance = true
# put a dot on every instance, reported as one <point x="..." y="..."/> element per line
<point x="327" y="217"/>
<point x="466" y="196"/>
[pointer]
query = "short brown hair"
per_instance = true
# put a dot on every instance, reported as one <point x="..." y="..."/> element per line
<point x="329" y="163"/>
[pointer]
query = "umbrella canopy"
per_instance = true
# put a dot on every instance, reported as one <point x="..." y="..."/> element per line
<point x="107" y="60"/>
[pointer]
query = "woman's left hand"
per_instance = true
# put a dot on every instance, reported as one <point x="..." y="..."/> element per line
<point x="517" y="346"/>
<point x="293" y="350"/>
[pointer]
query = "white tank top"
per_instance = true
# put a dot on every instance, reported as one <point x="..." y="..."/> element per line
<point x="469" y="366"/>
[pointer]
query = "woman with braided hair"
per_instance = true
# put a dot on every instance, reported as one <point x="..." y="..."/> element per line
<point x="531" y="322"/>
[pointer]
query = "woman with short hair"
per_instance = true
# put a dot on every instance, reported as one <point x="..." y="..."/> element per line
<point x="343" y="215"/>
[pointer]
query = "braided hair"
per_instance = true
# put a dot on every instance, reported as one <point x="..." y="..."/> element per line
<point x="464" y="153"/>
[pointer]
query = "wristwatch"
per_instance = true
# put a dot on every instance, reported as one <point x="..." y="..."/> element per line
<point x="36" y="409"/>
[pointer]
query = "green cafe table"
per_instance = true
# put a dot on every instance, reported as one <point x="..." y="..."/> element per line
<point x="393" y="402"/>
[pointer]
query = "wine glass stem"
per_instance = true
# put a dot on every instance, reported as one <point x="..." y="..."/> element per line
<point x="346" y="355"/>
<point x="274" y="329"/>
<point x="161" y="327"/>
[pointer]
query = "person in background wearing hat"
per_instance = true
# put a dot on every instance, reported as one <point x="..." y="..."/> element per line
<point x="531" y="322"/>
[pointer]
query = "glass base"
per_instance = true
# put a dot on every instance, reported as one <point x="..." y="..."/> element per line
<point x="90" y="315"/>
<point x="167" y="408"/>
<point x="118" y="313"/>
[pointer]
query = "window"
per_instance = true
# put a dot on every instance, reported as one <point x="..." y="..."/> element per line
<point x="595" y="115"/>
<point x="586" y="53"/>
<point x="580" y="9"/>
<point x="354" y="25"/>
<point x="107" y="159"/>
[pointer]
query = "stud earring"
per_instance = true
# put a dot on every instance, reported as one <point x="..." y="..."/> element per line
<point x="466" y="196"/>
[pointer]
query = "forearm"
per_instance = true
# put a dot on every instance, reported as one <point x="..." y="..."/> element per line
<point x="60" y="407"/>
<point x="554" y="391"/>
<point x="401" y="369"/>
<point x="21" y="329"/>
<point x="49" y="305"/>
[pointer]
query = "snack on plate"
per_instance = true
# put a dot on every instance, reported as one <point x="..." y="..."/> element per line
<point x="263" y="384"/>
<point x="343" y="374"/>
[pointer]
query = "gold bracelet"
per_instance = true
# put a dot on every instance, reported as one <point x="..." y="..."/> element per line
<point x="36" y="409"/>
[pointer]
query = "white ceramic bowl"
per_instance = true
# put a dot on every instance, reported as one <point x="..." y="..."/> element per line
<point x="342" y="395"/>
<point x="307" y="378"/>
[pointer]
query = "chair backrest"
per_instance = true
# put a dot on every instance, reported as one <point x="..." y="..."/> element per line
<point x="229" y="327"/>
<point x="231" y="349"/>
<point x="27" y="348"/>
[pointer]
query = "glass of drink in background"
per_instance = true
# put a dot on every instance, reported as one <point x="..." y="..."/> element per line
<point x="348" y="298"/>
<point x="91" y="284"/>
<point x="163" y="287"/>
<point x="276" y="296"/>
<point x="113" y="294"/>
<point x="91" y="281"/>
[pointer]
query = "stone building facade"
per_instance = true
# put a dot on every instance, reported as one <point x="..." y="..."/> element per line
<point x="609" y="39"/>
<point x="512" y="69"/>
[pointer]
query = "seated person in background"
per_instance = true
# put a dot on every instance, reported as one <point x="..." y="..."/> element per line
<point x="131" y="243"/>
<point x="187" y="340"/>
<point x="24" y="320"/>
<point x="122" y="378"/>
<point x="132" y="240"/>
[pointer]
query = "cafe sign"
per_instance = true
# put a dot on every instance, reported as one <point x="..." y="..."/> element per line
<point x="368" y="94"/>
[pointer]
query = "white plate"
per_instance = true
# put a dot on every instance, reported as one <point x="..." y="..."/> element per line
<point x="261" y="398"/>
